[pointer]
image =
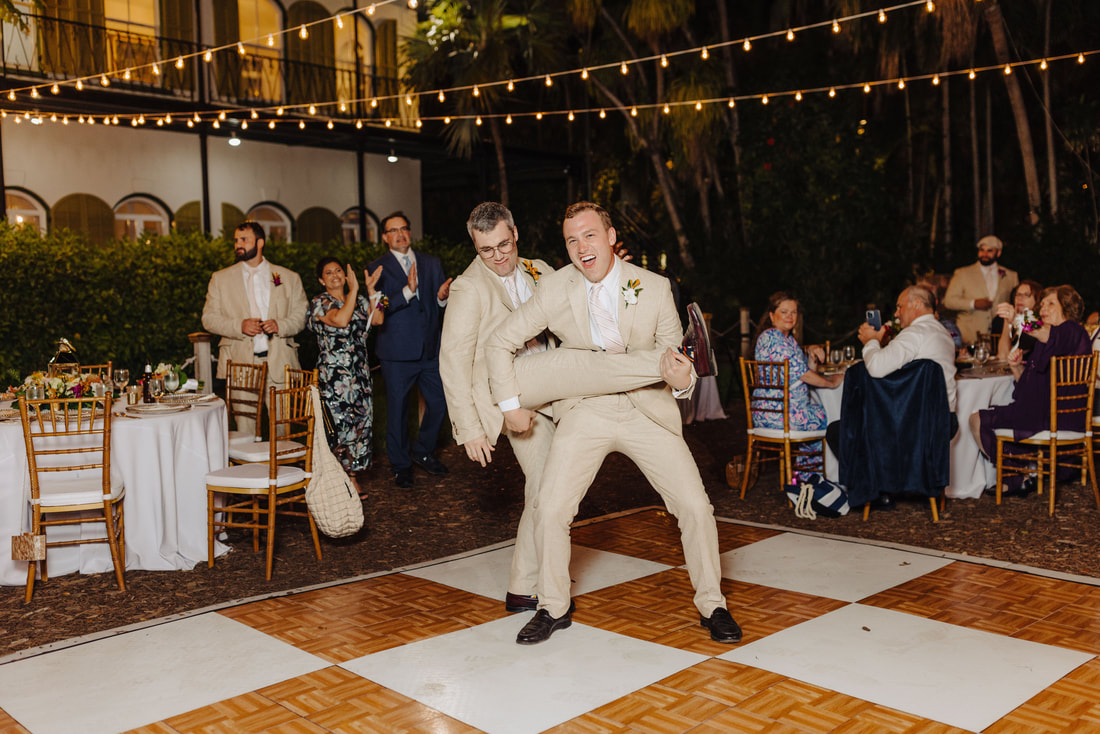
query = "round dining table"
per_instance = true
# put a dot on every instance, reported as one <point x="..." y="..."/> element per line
<point x="977" y="389"/>
<point x="162" y="460"/>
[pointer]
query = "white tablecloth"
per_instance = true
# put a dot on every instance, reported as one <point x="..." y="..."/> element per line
<point x="971" y="473"/>
<point x="163" y="461"/>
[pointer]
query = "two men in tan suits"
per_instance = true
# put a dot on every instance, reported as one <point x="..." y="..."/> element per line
<point x="256" y="307"/>
<point x="975" y="291"/>
<point x="602" y="303"/>
<point x="494" y="285"/>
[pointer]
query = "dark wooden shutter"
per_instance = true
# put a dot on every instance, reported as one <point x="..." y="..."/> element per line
<point x="319" y="225"/>
<point x="188" y="218"/>
<point x="85" y="213"/>
<point x="227" y="64"/>
<point x="311" y="63"/>
<point x="72" y="37"/>
<point x="177" y="31"/>
<point x="385" y="66"/>
<point x="231" y="217"/>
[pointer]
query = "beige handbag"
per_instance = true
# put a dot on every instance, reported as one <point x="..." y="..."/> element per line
<point x="331" y="497"/>
<point x="28" y="547"/>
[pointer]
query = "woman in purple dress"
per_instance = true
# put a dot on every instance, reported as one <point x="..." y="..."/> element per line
<point x="775" y="342"/>
<point x="1061" y="335"/>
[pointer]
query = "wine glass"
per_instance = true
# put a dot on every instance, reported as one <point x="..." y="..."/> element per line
<point x="981" y="353"/>
<point x="834" y="356"/>
<point x="971" y="347"/>
<point x="849" y="353"/>
<point x="122" y="379"/>
<point x="156" y="387"/>
<point x="171" y="381"/>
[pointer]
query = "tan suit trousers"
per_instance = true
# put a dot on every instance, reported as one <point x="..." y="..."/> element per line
<point x="585" y="436"/>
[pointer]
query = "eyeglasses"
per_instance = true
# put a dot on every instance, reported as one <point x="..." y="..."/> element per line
<point x="391" y="230"/>
<point x="504" y="248"/>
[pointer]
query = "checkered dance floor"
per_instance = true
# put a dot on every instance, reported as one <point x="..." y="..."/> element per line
<point x="840" y="636"/>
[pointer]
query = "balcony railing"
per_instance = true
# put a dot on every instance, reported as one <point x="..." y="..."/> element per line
<point x="55" y="49"/>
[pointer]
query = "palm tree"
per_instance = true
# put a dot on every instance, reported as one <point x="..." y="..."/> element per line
<point x="474" y="42"/>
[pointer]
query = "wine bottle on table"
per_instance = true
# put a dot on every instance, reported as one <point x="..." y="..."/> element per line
<point x="146" y="384"/>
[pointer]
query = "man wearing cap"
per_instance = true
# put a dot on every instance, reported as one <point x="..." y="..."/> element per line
<point x="975" y="291"/>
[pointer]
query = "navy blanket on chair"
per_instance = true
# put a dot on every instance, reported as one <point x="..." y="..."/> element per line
<point x="895" y="432"/>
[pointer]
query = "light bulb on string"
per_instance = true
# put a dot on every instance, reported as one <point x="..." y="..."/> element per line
<point x="167" y="119"/>
<point x="584" y="73"/>
<point x="53" y="117"/>
<point x="208" y="56"/>
<point x="358" y="124"/>
<point x="156" y="69"/>
<point x="388" y="123"/>
<point x="1008" y="69"/>
<point x="971" y="74"/>
<point x="217" y="124"/>
<point x="126" y="75"/>
<point x="664" y="61"/>
<point x="705" y="54"/>
<point x="476" y="92"/>
<point x="836" y="27"/>
<point x="81" y="120"/>
<point x="271" y="125"/>
<point x="339" y="22"/>
<point x="255" y="114"/>
<point x="190" y="123"/>
<point x="446" y="121"/>
<point x="374" y="102"/>
<point x="11" y="96"/>
<point x="221" y="115"/>
<point x="65" y="120"/>
<point x="244" y="124"/>
<point x="279" y="111"/>
<point x="790" y="34"/>
<point x="408" y="99"/>
<point x="104" y="80"/>
<point x="34" y="93"/>
<point x="240" y="48"/>
<point x="549" y="81"/>
<point x="930" y="6"/>
<point x="160" y="123"/>
<point x="413" y="4"/>
<point x="478" y="121"/>
<point x="303" y="33"/>
<point x="312" y="109"/>
<point x="538" y="115"/>
<point x="866" y="88"/>
<point x="747" y="45"/>
<point x="881" y="16"/>
<point x="79" y="85"/>
<point x="1043" y="65"/>
<point x="329" y="125"/>
<point x="570" y="115"/>
<point x="1080" y="58"/>
<point x="764" y="99"/>
<point x="370" y="10"/>
<point x="633" y="111"/>
<point x="301" y="124"/>
<point x="832" y="91"/>
<point x="936" y="80"/>
<point x="441" y="96"/>
<point x="731" y="103"/>
<point x="196" y="118"/>
<point x="133" y="122"/>
<point x="698" y="106"/>
<point x="511" y="86"/>
<point x="55" y="89"/>
<point x="179" y="62"/>
<point x="622" y="68"/>
<point x="798" y="96"/>
<point x="141" y="119"/>
<point x="666" y="109"/>
<point x="343" y="107"/>
<point x="508" y="120"/>
<point x="603" y="115"/>
<point x="270" y="39"/>
<point x="901" y="84"/>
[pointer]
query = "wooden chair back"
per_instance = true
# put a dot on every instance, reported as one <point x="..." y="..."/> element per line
<point x="291" y="420"/>
<point x="1071" y="390"/>
<point x="66" y="434"/>
<point x="299" y="378"/>
<point x="244" y="391"/>
<point x="766" y="390"/>
<point x="103" y="370"/>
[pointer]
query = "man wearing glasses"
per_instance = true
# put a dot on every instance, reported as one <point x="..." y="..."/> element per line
<point x="408" y="347"/>
<point x="496" y="283"/>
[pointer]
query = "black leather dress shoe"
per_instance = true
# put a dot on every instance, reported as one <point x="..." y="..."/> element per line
<point x="430" y="464"/>
<point x="403" y="477"/>
<point x="541" y="626"/>
<point x="884" y="502"/>
<point x="722" y="627"/>
<point x="520" y="602"/>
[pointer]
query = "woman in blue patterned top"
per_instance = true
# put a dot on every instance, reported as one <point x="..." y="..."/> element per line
<point x="775" y="342"/>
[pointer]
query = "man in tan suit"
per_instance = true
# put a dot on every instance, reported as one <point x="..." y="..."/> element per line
<point x="975" y="291"/>
<point x="602" y="303"/>
<point x="494" y="285"/>
<point x="256" y="307"/>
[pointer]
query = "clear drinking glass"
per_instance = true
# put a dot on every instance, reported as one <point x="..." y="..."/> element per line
<point x="156" y="386"/>
<point x="834" y="356"/>
<point x="172" y="381"/>
<point x="122" y="379"/>
<point x="849" y="353"/>
<point x="981" y="353"/>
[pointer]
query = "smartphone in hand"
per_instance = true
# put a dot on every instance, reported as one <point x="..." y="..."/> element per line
<point x="874" y="318"/>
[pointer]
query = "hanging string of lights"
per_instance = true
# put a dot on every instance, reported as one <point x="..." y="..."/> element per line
<point x="254" y="115"/>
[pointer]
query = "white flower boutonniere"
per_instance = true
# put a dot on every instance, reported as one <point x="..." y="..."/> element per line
<point x="631" y="291"/>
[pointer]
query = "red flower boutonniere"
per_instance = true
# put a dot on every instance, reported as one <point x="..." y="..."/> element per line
<point x="1000" y="272"/>
<point x="276" y="280"/>
<point x="531" y="270"/>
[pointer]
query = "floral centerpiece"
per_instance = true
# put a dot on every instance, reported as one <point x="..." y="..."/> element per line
<point x="163" y="369"/>
<point x="58" y="386"/>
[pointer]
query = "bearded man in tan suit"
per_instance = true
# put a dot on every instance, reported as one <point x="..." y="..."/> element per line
<point x="256" y="307"/>
<point x="976" y="290"/>
<point x="603" y="303"/>
<point x="494" y="285"/>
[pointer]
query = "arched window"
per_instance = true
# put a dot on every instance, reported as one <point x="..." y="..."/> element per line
<point x="354" y="50"/>
<point x="276" y="222"/>
<point x="139" y="215"/>
<point x="25" y="208"/>
<point x="85" y="213"/>
<point x="349" y="225"/>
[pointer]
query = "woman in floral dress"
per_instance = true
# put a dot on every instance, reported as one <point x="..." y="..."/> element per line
<point x="341" y="322"/>
<point x="775" y="342"/>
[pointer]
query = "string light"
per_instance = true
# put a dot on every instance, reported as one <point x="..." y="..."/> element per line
<point x="633" y="111"/>
<point x="301" y="124"/>
<point x="705" y="54"/>
<point x="167" y="119"/>
<point x="221" y="115"/>
<point x="790" y="35"/>
<point x="901" y="84"/>
<point x="179" y="63"/>
<point x="1080" y="58"/>
<point x="476" y="122"/>
<point x="477" y="92"/>
<point x="538" y="115"/>
<point x="374" y="102"/>
<point x="330" y="126"/>
<point x="698" y="107"/>
<point x="57" y="90"/>
<point x="936" y="80"/>
<point x="270" y="40"/>
<point x="881" y="16"/>
<point x="832" y="91"/>
<point x="603" y="115"/>
<point x="747" y="45"/>
<point x="549" y="81"/>
<point x="208" y="56"/>
<point x="666" y="109"/>
<point x="442" y="96"/>
<point x="255" y="114"/>
<point x="511" y="86"/>
<point x="571" y="116"/>
<point x="79" y="85"/>
<point x="930" y="6"/>
<point x="664" y="61"/>
<point x="271" y="125"/>
<point x="126" y="75"/>
<point x="240" y="48"/>
<point x="11" y="95"/>
<point x="34" y="93"/>
<point x="244" y="124"/>
<point x="358" y="124"/>
<point x="798" y="96"/>
<point x="104" y="80"/>
<point x="764" y="99"/>
<point x="836" y="27"/>
<point x="156" y="70"/>
<point x="622" y="68"/>
<point x="507" y="120"/>
<point x="866" y="88"/>
<point x="217" y="124"/>
<point x="339" y="21"/>
<point x="584" y="73"/>
<point x="972" y="74"/>
<point x="279" y="111"/>
<point x="388" y="123"/>
<point x="370" y="10"/>
<point x="1043" y="65"/>
<point x="446" y="121"/>
<point x="419" y="124"/>
<point x="343" y="107"/>
<point x="312" y="110"/>
<point x="732" y="104"/>
<point x="196" y="118"/>
<point x="303" y="33"/>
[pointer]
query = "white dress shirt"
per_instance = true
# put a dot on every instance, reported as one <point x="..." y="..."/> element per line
<point x="924" y="338"/>
<point x="409" y="294"/>
<point x="257" y="287"/>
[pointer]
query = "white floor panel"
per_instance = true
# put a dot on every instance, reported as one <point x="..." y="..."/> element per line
<point x="831" y="568"/>
<point x="481" y="677"/>
<point x="140" y="677"/>
<point x="958" y="676"/>
<point x="487" y="573"/>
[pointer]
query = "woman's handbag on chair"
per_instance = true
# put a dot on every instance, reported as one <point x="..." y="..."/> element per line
<point x="332" y="499"/>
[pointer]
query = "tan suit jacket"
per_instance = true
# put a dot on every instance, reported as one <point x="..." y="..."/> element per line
<point x="967" y="285"/>
<point x="560" y="304"/>
<point x="478" y="303"/>
<point x="227" y="306"/>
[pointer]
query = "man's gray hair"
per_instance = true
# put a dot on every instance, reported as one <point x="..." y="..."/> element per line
<point x="922" y="295"/>
<point x="486" y="216"/>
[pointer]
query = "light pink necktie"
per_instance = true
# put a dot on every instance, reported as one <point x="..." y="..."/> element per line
<point x="513" y="291"/>
<point x="533" y="345"/>
<point x="260" y="341"/>
<point x="605" y="322"/>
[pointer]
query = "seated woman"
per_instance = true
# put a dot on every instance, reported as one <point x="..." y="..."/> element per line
<point x="341" y="322"/>
<point x="1024" y="298"/>
<point x="1061" y="335"/>
<point x="776" y="343"/>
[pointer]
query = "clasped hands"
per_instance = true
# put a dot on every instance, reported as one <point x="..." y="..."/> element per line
<point x="253" y="327"/>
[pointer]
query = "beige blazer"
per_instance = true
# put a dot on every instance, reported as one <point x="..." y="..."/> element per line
<point x="478" y="303"/>
<point x="968" y="284"/>
<point x="560" y="304"/>
<point x="227" y="306"/>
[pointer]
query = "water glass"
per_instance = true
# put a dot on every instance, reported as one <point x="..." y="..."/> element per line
<point x="36" y="392"/>
<point x="849" y="353"/>
<point x="981" y="353"/>
<point x="156" y="386"/>
<point x="172" y="381"/>
<point x="834" y="356"/>
<point x="122" y="379"/>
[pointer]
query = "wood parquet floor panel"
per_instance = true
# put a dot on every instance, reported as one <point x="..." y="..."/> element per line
<point x="715" y="696"/>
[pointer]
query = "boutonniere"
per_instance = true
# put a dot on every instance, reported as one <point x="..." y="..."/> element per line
<point x="1000" y="272"/>
<point x="276" y="280"/>
<point x="631" y="291"/>
<point x="532" y="270"/>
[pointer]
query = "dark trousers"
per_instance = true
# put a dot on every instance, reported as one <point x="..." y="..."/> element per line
<point x="400" y="378"/>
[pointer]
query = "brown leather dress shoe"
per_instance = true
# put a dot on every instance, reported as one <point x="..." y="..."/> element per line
<point x="722" y="627"/>
<point x="541" y="626"/>
<point x="696" y="343"/>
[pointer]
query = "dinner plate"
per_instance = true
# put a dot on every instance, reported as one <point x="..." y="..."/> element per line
<point x="8" y="413"/>
<point x="187" y="398"/>
<point x="156" y="409"/>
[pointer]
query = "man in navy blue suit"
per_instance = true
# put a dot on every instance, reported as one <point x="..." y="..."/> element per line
<point x="408" y="347"/>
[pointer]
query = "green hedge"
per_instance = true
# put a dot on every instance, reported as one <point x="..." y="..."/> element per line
<point x="135" y="301"/>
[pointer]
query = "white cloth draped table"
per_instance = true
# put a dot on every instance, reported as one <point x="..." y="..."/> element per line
<point x="163" y="461"/>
